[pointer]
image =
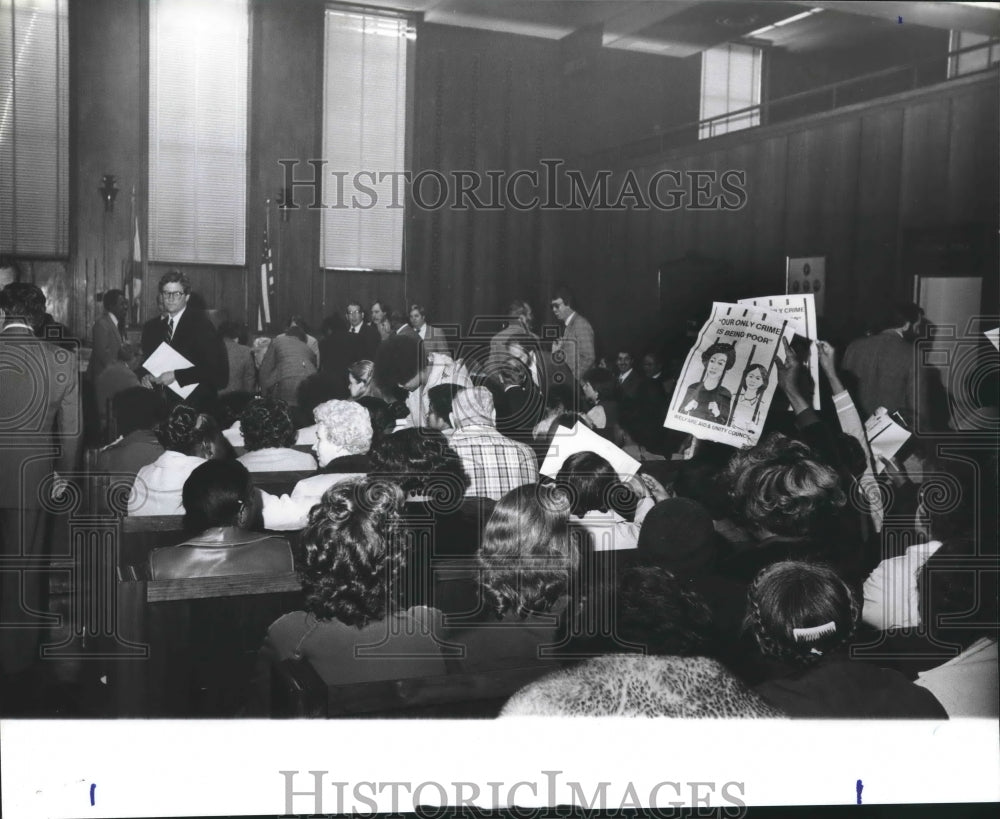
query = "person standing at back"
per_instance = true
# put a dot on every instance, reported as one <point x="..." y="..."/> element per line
<point x="575" y="348"/>
<point x="883" y="367"/>
<point x="108" y="333"/>
<point x="40" y="434"/>
<point x="191" y="333"/>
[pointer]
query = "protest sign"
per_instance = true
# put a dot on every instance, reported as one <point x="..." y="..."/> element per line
<point x="801" y="313"/>
<point x="729" y="378"/>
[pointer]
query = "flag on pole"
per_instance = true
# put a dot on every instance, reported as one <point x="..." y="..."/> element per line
<point x="267" y="289"/>
<point x="132" y="272"/>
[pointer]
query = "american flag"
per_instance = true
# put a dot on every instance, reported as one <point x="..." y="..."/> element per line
<point x="267" y="288"/>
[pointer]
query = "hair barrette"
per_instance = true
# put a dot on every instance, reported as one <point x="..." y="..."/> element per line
<point x="810" y="635"/>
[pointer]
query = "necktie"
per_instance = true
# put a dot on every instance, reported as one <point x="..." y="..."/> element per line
<point x="170" y="328"/>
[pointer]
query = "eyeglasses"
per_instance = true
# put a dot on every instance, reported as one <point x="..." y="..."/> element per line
<point x="172" y="294"/>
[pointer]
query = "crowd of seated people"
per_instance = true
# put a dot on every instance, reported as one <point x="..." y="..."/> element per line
<point x="429" y="540"/>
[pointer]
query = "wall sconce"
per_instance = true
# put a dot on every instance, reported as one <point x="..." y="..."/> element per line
<point x="108" y="191"/>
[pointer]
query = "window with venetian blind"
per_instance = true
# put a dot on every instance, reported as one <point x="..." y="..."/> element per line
<point x="34" y="125"/>
<point x="971" y="61"/>
<point x="198" y="83"/>
<point x="364" y="132"/>
<point x="730" y="81"/>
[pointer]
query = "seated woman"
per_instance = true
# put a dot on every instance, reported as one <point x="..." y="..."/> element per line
<point x="527" y="567"/>
<point x="269" y="435"/>
<point x="439" y="400"/>
<point x="219" y="504"/>
<point x="801" y="615"/>
<point x="600" y="502"/>
<point x="359" y="378"/>
<point x="344" y="435"/>
<point x="598" y="387"/>
<point x="560" y="406"/>
<point x="793" y="507"/>
<point x="651" y="612"/>
<point x="635" y="686"/>
<point x="158" y="486"/>
<point x="352" y="629"/>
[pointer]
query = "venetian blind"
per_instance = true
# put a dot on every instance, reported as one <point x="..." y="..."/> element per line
<point x="34" y="125"/>
<point x="364" y="132"/>
<point x="198" y="70"/>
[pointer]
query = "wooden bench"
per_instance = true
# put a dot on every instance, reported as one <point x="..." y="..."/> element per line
<point x="202" y="637"/>
<point x="298" y="691"/>
<point x="279" y="483"/>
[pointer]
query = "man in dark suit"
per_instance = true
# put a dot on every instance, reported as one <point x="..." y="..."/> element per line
<point x="341" y="347"/>
<point x="192" y="334"/>
<point x="108" y="333"/>
<point x="40" y="433"/>
<point x="629" y="381"/>
<point x="523" y="381"/>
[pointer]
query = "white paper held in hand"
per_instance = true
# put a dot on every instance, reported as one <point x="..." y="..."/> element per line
<point x="582" y="438"/>
<point x="165" y="359"/>
<point x="885" y="436"/>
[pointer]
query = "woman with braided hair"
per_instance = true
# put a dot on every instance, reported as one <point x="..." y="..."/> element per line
<point x="801" y="616"/>
<point x="352" y="629"/>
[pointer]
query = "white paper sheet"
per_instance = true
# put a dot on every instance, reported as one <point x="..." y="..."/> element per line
<point x="582" y="438"/>
<point x="885" y="436"/>
<point x="164" y="359"/>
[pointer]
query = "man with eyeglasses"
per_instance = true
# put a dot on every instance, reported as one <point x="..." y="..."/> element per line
<point x="191" y="333"/>
<point x="355" y="342"/>
<point x="575" y="347"/>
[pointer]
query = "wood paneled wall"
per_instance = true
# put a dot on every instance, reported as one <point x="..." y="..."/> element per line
<point x="108" y="122"/>
<point x="843" y="185"/>
<point x="481" y="102"/>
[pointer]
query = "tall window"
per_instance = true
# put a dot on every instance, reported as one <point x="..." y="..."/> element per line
<point x="972" y="61"/>
<point x="364" y="132"/>
<point x="198" y="71"/>
<point x="34" y="125"/>
<point x="730" y="81"/>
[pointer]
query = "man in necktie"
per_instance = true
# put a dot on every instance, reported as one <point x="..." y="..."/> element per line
<point x="357" y="342"/>
<point x="191" y="333"/>
<point x="575" y="348"/>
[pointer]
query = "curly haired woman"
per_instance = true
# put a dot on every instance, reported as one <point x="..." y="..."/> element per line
<point x="352" y="629"/>
<point x="269" y="436"/>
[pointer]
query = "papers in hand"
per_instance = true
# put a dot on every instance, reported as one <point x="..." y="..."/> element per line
<point x="885" y="436"/>
<point x="582" y="438"/>
<point x="165" y="359"/>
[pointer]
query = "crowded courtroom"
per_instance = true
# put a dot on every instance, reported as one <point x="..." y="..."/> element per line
<point x="492" y="358"/>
